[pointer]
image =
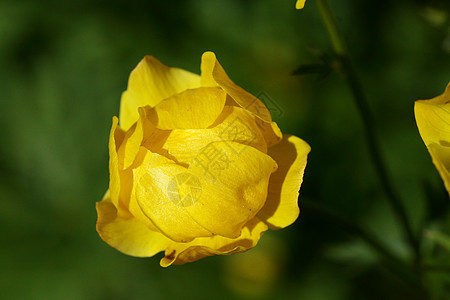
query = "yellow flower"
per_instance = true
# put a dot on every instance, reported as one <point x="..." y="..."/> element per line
<point x="433" y="121"/>
<point x="197" y="167"/>
<point x="300" y="4"/>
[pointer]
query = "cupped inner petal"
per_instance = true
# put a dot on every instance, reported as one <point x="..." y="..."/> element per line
<point x="270" y="130"/>
<point x="187" y="203"/>
<point x="162" y="194"/>
<point x="149" y="83"/>
<point x="234" y="124"/>
<point x="281" y="207"/>
<point x="213" y="74"/>
<point x="180" y="253"/>
<point x="190" y="109"/>
<point x="128" y="203"/>
<point x="234" y="186"/>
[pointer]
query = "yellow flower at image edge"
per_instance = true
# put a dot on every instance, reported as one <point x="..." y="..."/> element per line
<point x="300" y="4"/>
<point x="197" y="166"/>
<point x="433" y="121"/>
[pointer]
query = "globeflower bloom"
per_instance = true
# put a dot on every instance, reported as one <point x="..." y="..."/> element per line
<point x="433" y="121"/>
<point x="197" y="166"/>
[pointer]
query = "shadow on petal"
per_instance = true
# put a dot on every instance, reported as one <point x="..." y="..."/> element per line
<point x="281" y="208"/>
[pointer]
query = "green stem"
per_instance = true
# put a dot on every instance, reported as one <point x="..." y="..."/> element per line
<point x="332" y="28"/>
<point x="349" y="73"/>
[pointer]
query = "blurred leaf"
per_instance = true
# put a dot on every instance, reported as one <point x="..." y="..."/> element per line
<point x="439" y="238"/>
<point x="437" y="199"/>
<point x="355" y="253"/>
<point x="312" y="69"/>
<point x="435" y="16"/>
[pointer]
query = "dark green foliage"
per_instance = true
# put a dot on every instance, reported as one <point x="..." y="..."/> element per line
<point x="64" y="65"/>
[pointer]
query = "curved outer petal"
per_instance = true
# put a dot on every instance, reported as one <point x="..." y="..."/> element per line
<point x="234" y="124"/>
<point x="149" y="83"/>
<point x="127" y="235"/>
<point x="441" y="159"/>
<point x="433" y="121"/>
<point x="180" y="253"/>
<point x="281" y="208"/>
<point x="214" y="75"/>
<point x="234" y="186"/>
<point x="190" y="109"/>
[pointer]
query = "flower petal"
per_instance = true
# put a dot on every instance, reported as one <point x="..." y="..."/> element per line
<point x="433" y="121"/>
<point x="234" y="180"/>
<point x="271" y="132"/>
<point x="300" y="4"/>
<point x="433" y="118"/>
<point x="153" y="188"/>
<point x="180" y="253"/>
<point x="214" y="75"/>
<point x="149" y="83"/>
<point x="127" y="235"/>
<point x="131" y="144"/>
<point x="234" y="124"/>
<point x="185" y="203"/>
<point x="116" y="137"/>
<point x="190" y="109"/>
<point x="441" y="159"/>
<point x="128" y="203"/>
<point x="281" y="208"/>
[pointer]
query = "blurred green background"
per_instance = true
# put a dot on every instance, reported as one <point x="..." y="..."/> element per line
<point x="63" y="68"/>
